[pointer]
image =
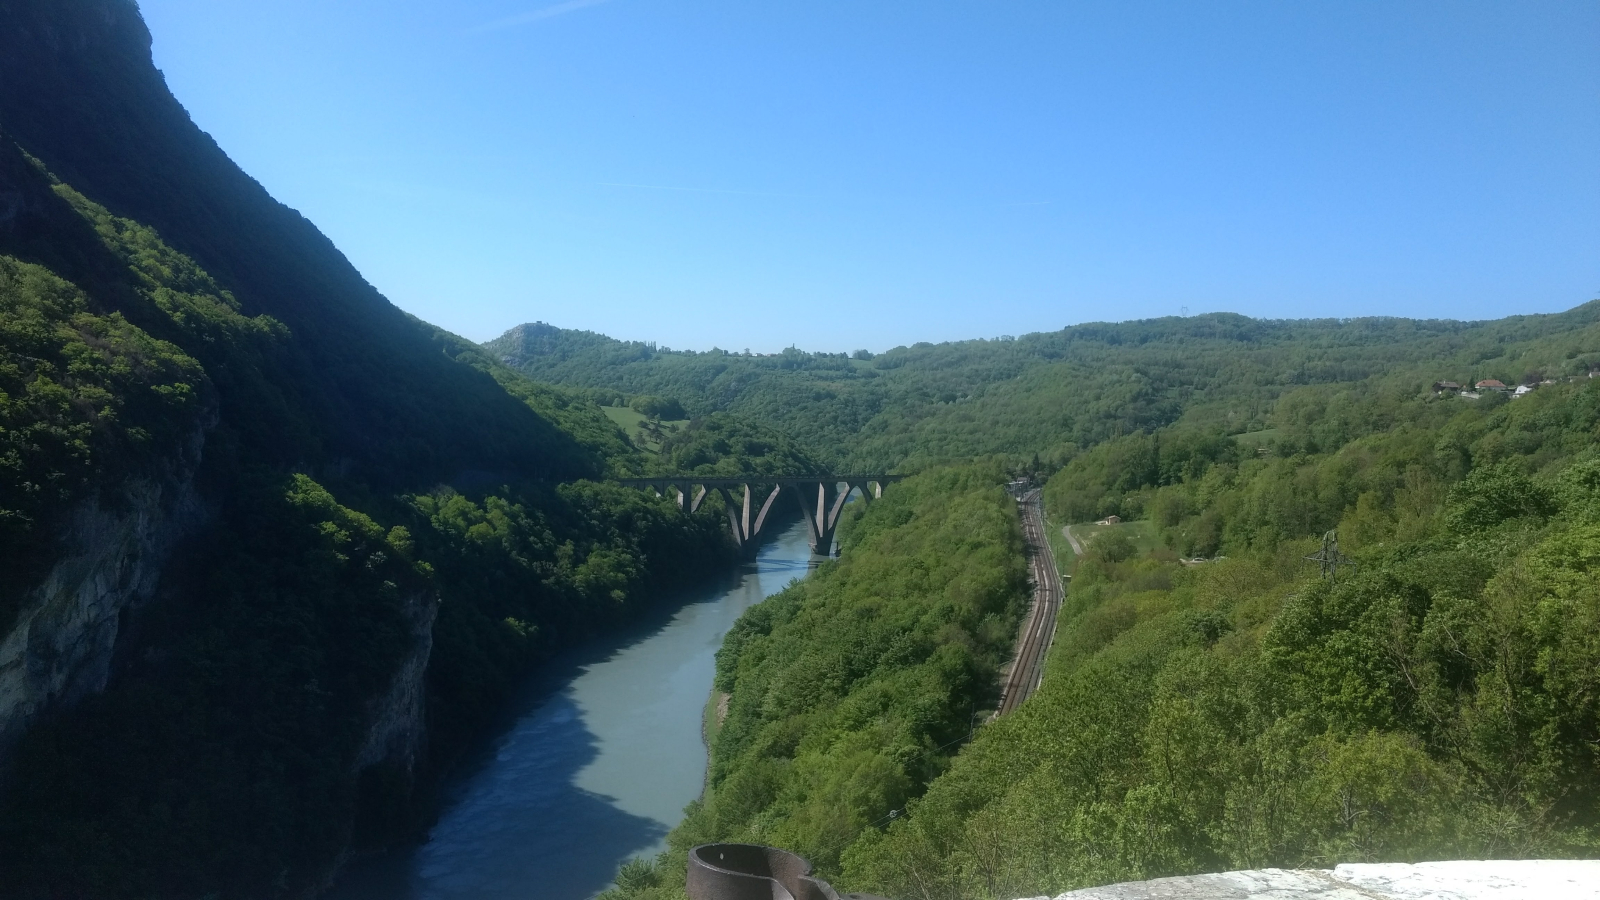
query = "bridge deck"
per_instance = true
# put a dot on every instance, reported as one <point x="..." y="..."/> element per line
<point x="741" y="480"/>
<point x="747" y="516"/>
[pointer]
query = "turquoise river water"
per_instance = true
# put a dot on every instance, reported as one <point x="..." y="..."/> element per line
<point x="604" y="753"/>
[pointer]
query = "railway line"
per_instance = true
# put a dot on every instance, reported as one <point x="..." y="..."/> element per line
<point x="1027" y="667"/>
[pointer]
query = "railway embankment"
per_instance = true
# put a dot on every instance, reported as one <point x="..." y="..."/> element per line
<point x="1038" y="630"/>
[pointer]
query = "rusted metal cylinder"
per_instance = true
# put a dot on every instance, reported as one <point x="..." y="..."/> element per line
<point x="754" y="872"/>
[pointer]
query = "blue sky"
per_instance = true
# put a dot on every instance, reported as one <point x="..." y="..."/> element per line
<point x="849" y="175"/>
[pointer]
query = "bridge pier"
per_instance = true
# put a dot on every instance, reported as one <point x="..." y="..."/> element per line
<point x="822" y="509"/>
<point x="682" y="495"/>
<point x="822" y="516"/>
<point x="746" y="532"/>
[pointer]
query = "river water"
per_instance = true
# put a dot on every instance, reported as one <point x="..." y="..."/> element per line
<point x="605" y="752"/>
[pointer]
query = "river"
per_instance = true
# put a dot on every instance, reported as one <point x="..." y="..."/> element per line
<point x="605" y="752"/>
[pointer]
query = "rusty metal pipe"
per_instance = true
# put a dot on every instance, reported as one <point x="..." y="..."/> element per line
<point x="754" y="872"/>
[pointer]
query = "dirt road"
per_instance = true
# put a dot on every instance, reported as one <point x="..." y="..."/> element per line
<point x="1066" y="532"/>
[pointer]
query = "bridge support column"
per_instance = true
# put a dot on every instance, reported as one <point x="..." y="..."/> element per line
<point x="687" y="498"/>
<point x="747" y="533"/>
<point x="761" y="518"/>
<point x="867" y="494"/>
<point x="738" y="528"/>
<point x="822" y="516"/>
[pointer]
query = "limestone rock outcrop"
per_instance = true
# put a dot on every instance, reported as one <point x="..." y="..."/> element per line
<point x="396" y="735"/>
<point x="113" y="547"/>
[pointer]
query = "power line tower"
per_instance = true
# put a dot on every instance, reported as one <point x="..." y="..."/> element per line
<point x="1329" y="557"/>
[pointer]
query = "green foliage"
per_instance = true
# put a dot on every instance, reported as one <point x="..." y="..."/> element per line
<point x="1213" y="722"/>
<point x="852" y="689"/>
<point x="1494" y="494"/>
<point x="361" y="466"/>
<point x="721" y="444"/>
<point x="527" y="573"/>
<point x="311" y="366"/>
<point x="84" y="400"/>
<point x="224" y="757"/>
<point x="1113" y="546"/>
<point x="658" y="407"/>
<point x="1246" y="713"/>
<point x="1056" y="394"/>
<point x="221" y="760"/>
<point x="1578" y="488"/>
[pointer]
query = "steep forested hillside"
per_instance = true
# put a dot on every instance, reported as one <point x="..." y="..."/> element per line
<point x="1439" y="700"/>
<point x="1053" y="394"/>
<point x="271" y="550"/>
<point x="79" y="93"/>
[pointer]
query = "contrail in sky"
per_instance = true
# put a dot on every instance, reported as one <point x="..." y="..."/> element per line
<point x="538" y="15"/>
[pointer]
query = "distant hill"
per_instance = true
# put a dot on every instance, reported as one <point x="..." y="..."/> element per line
<point x="1054" y="393"/>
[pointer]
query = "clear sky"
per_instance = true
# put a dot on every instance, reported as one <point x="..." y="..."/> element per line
<point x="843" y="175"/>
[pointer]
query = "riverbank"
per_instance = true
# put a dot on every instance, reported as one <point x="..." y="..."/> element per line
<point x="849" y="692"/>
<point x="604" y="752"/>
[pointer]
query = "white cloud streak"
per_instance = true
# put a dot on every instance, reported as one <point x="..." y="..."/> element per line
<point x="537" y="15"/>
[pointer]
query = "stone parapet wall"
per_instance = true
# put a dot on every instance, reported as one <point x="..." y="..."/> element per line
<point x="1458" y="880"/>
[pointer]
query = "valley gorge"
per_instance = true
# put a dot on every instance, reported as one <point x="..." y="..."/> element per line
<point x="303" y="596"/>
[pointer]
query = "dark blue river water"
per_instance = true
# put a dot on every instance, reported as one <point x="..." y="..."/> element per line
<point x="603" y="756"/>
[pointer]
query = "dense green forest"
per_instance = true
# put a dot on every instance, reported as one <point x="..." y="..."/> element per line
<point x="1438" y="702"/>
<point x="121" y="797"/>
<point x="83" y="397"/>
<point x="1051" y="394"/>
<point x="723" y="444"/>
<point x="847" y="693"/>
<point x="1216" y="702"/>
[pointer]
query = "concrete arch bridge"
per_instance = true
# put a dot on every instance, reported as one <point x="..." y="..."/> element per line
<point x="821" y="499"/>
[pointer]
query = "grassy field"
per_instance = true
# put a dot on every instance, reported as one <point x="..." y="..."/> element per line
<point x="1143" y="533"/>
<point x="1065" y="558"/>
<point x="629" y="420"/>
<point x="1257" y="439"/>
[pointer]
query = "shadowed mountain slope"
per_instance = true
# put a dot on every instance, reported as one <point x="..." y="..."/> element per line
<point x="273" y="553"/>
<point x="79" y="92"/>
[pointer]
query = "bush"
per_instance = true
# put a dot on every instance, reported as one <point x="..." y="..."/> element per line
<point x="658" y="407"/>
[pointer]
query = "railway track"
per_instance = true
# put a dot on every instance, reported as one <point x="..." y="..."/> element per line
<point x="1027" y="667"/>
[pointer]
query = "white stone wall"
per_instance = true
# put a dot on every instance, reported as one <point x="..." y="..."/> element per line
<point x="1540" y="879"/>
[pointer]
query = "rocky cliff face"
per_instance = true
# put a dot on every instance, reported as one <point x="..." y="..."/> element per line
<point x="113" y="548"/>
<point x="397" y="731"/>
